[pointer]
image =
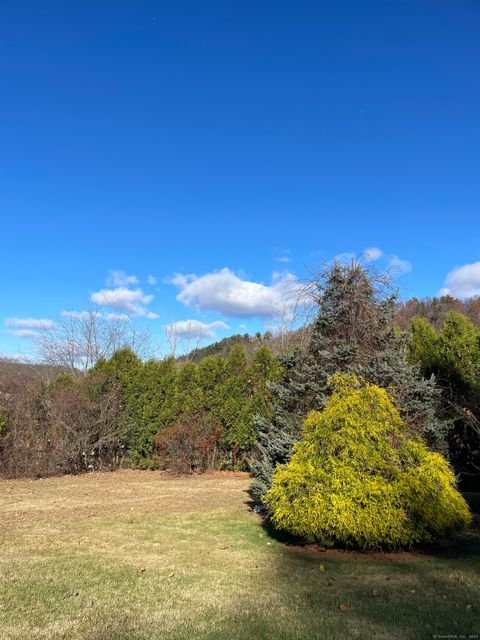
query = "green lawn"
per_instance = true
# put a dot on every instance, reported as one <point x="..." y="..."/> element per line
<point x="139" y="555"/>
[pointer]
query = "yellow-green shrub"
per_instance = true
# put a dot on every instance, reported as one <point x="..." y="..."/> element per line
<point x="359" y="478"/>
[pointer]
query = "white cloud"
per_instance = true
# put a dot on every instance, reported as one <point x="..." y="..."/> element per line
<point x="224" y="291"/>
<point x="23" y="333"/>
<point x="131" y="301"/>
<point x="345" y="257"/>
<point x="122" y="317"/>
<point x="152" y="280"/>
<point x="372" y="254"/>
<point x="196" y="329"/>
<point x="87" y="315"/>
<point x="463" y="282"/>
<point x="118" y="278"/>
<point x="29" y="323"/>
<point x="285" y="257"/>
<point x="399" y="266"/>
<point x="79" y="315"/>
<point x="16" y="357"/>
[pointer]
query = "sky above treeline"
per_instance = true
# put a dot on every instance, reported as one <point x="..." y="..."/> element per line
<point x="188" y="162"/>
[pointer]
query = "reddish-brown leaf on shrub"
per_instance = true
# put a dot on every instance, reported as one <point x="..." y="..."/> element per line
<point x="189" y="447"/>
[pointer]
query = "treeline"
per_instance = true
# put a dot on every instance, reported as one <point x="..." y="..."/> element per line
<point x="154" y="414"/>
<point x="435" y="310"/>
<point x="224" y="346"/>
<point x="190" y="417"/>
<point x="284" y="338"/>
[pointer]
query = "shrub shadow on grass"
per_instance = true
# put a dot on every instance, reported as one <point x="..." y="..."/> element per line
<point x="266" y="524"/>
<point x="416" y="593"/>
<point x="377" y="595"/>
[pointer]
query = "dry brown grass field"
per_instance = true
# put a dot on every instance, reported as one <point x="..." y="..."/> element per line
<point x="144" y="555"/>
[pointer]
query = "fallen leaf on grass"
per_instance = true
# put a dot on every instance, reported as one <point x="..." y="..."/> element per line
<point x="321" y="567"/>
<point x="343" y="607"/>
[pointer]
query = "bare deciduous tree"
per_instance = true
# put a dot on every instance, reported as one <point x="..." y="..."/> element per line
<point x="185" y="342"/>
<point x="291" y="320"/>
<point x="61" y="428"/>
<point x="79" y="339"/>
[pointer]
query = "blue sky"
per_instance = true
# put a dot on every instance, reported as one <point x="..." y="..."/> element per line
<point x="235" y="145"/>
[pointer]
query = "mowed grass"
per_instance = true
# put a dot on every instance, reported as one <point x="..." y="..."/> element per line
<point x="143" y="555"/>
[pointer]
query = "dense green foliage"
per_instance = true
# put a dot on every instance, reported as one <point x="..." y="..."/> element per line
<point x="452" y="355"/>
<point x="359" y="478"/>
<point x="423" y="346"/>
<point x="147" y="398"/>
<point x="218" y="396"/>
<point x="353" y="332"/>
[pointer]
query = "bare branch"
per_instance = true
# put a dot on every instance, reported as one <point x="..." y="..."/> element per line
<point x="79" y="339"/>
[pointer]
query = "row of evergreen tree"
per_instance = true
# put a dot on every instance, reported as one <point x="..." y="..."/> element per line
<point x="171" y="410"/>
<point x="143" y="414"/>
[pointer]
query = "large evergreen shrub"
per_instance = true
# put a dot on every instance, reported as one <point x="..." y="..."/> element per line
<point x="353" y="332"/>
<point x="358" y="478"/>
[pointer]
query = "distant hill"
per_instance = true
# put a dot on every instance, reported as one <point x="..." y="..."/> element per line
<point x="277" y="343"/>
<point x="25" y="372"/>
<point x="223" y="347"/>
